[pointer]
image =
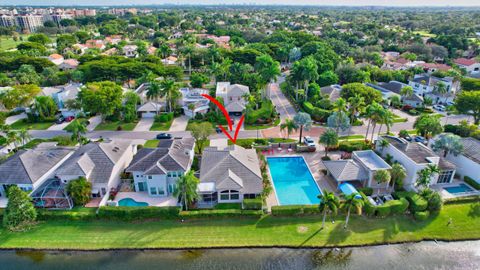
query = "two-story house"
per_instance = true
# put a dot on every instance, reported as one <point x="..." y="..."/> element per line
<point x="156" y="170"/>
<point x="415" y="157"/>
<point x="427" y="85"/>
<point x="233" y="96"/>
<point x="193" y="102"/>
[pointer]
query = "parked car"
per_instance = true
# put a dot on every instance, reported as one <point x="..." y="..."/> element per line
<point x="420" y="139"/>
<point x="440" y="108"/>
<point x="408" y="138"/>
<point x="60" y="120"/>
<point x="308" y="141"/>
<point x="163" y="136"/>
<point x="69" y="118"/>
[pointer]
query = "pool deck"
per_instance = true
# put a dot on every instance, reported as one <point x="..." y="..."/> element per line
<point x="447" y="195"/>
<point x="316" y="166"/>
<point x="144" y="197"/>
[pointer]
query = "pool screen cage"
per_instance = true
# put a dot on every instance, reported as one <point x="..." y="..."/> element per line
<point x="52" y="195"/>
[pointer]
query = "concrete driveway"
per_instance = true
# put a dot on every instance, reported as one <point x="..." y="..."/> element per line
<point x="59" y="126"/>
<point x="94" y="122"/>
<point x="179" y="123"/>
<point x="14" y="118"/>
<point x="144" y="124"/>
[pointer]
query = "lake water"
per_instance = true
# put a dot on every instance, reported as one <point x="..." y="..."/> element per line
<point x="426" y="255"/>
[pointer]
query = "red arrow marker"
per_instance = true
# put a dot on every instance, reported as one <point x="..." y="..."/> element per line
<point x="234" y="139"/>
<point x="220" y="106"/>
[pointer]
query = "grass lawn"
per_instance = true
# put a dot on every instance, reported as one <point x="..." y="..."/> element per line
<point x="248" y="142"/>
<point x="151" y="144"/>
<point x="398" y="119"/>
<point x="21" y="124"/>
<point x="237" y="232"/>
<point x="265" y="126"/>
<point x="352" y="138"/>
<point x="112" y="126"/>
<point x="82" y="120"/>
<point x="157" y="126"/>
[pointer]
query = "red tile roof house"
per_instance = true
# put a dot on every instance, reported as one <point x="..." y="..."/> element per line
<point x="470" y="65"/>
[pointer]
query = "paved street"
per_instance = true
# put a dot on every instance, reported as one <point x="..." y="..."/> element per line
<point x="284" y="107"/>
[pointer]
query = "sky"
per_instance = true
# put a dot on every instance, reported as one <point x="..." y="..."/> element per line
<point x="258" y="2"/>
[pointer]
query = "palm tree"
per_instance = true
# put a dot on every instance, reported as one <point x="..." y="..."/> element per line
<point x="12" y="137"/>
<point x="352" y="200"/>
<point x="357" y="105"/>
<point x="441" y="89"/>
<point x="386" y="117"/>
<point x="303" y="121"/>
<point x="24" y="136"/>
<point x="340" y="105"/>
<point x="425" y="175"/>
<point x="372" y="113"/>
<point x="329" y="139"/>
<point x="382" y="176"/>
<point x="328" y="203"/>
<point x="215" y="71"/>
<point x="267" y="68"/>
<point x="449" y="144"/>
<point x="78" y="128"/>
<point x="169" y="90"/>
<point x="288" y="125"/>
<point x="186" y="189"/>
<point x="187" y="51"/>
<point x="398" y="173"/>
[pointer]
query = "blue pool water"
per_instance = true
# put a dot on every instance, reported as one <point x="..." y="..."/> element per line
<point x="293" y="182"/>
<point x="131" y="202"/>
<point x="461" y="188"/>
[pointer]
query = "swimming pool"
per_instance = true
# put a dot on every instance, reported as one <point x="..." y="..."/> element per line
<point x="292" y="180"/>
<point x="461" y="188"/>
<point x="131" y="202"/>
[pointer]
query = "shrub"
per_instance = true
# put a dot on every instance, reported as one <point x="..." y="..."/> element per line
<point x="317" y="114"/>
<point x="383" y="210"/>
<point x="137" y="213"/>
<point x="294" y="210"/>
<point x="417" y="202"/>
<point x="353" y="146"/>
<point x="434" y="202"/>
<point x="398" y="206"/>
<point x="366" y="190"/>
<point x="466" y="199"/>
<point x="471" y="182"/>
<point x="421" y="215"/>
<point x="252" y="204"/>
<point x="220" y="213"/>
<point x="43" y="214"/>
<point x="20" y="213"/>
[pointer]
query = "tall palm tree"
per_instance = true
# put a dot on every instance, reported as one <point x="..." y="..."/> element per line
<point x="386" y="118"/>
<point x="186" y="189"/>
<point x="303" y="121"/>
<point x="24" y="136"/>
<point x="78" y="128"/>
<point x="425" y="175"/>
<point x="328" y="203"/>
<point x="289" y="125"/>
<point x="356" y="105"/>
<point x="329" y="139"/>
<point x="188" y="51"/>
<point x="340" y="105"/>
<point x="441" y="89"/>
<point x="215" y="71"/>
<point x="352" y="201"/>
<point x="169" y="90"/>
<point x="398" y="173"/>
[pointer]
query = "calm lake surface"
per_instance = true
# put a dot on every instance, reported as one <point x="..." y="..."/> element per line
<point x="427" y="255"/>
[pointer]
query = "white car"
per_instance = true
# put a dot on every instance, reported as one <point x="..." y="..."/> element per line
<point x="308" y="141"/>
<point x="440" y="108"/>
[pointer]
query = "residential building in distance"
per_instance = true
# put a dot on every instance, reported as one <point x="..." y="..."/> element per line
<point x="470" y="65"/>
<point x="156" y="170"/>
<point x="193" y="96"/>
<point x="428" y="85"/>
<point x="233" y="96"/>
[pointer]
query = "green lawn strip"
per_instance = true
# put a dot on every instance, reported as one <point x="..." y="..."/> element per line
<point x="352" y="138"/>
<point x="236" y="232"/>
<point x="412" y="132"/>
<point x="82" y="120"/>
<point x="151" y="144"/>
<point x="113" y="126"/>
<point x="157" y="126"/>
<point x="265" y="126"/>
<point x="266" y="141"/>
<point x="21" y="124"/>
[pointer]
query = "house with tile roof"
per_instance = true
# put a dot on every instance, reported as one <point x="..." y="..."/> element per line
<point x="29" y="169"/>
<point x="156" y="170"/>
<point x="229" y="175"/>
<point x="233" y="96"/>
<point x="415" y="156"/>
<point x="101" y="163"/>
<point x="470" y="65"/>
<point x="468" y="163"/>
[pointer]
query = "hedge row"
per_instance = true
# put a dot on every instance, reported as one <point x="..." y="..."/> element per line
<point x="317" y="114"/>
<point x="466" y="199"/>
<point x="417" y="202"/>
<point x="164" y="117"/>
<point x="353" y="146"/>
<point x="295" y="210"/>
<point x="132" y="213"/>
<point x="220" y="213"/>
<point x="393" y="207"/>
<point x="471" y="182"/>
<point x="43" y="214"/>
<point x="253" y="204"/>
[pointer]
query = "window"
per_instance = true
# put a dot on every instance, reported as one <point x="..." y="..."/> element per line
<point x="445" y="177"/>
<point x="229" y="195"/>
<point x="153" y="190"/>
<point x="149" y="177"/>
<point x="161" y="191"/>
<point x="249" y="196"/>
<point x="104" y="191"/>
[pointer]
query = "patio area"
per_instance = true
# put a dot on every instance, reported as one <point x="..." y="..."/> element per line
<point x="144" y="197"/>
